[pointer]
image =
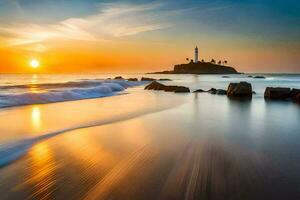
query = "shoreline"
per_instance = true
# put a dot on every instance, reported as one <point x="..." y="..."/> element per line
<point x="150" y="152"/>
<point x="12" y="150"/>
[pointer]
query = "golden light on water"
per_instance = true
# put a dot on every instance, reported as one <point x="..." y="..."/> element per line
<point x="34" y="63"/>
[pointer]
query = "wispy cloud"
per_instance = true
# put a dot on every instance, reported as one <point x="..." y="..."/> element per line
<point x="112" y="20"/>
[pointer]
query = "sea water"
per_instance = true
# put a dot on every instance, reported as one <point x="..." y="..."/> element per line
<point x="27" y="89"/>
<point x="259" y="138"/>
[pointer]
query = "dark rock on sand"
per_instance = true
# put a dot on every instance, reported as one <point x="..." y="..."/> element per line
<point x="225" y="76"/>
<point x="147" y="79"/>
<point x="277" y="93"/>
<point x="259" y="77"/>
<point x="239" y="90"/>
<point x="132" y="79"/>
<point x="158" y="86"/>
<point x="119" y="77"/>
<point x="199" y="90"/>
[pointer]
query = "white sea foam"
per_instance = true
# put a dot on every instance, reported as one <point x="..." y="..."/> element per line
<point x="57" y="92"/>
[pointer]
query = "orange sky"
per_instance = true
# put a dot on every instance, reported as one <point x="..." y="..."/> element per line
<point x="144" y="38"/>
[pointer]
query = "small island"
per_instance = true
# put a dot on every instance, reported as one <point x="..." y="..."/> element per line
<point x="201" y="67"/>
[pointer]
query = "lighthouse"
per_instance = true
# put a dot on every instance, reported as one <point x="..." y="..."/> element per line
<point x="196" y="55"/>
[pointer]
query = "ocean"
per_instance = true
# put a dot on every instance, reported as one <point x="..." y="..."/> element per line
<point x="27" y="89"/>
<point x="82" y="136"/>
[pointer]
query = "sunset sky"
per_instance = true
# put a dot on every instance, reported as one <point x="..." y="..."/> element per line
<point x="68" y="36"/>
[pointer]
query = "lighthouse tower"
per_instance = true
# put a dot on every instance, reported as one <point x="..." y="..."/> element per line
<point x="196" y="55"/>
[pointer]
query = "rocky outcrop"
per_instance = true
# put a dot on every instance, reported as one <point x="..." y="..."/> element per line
<point x="277" y="93"/>
<point x="239" y="90"/>
<point x="147" y="79"/>
<point x="132" y="79"/>
<point x="200" y="68"/>
<point x="155" y="86"/>
<point x="167" y="88"/>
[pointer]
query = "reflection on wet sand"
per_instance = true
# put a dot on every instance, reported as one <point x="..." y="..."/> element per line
<point x="201" y="169"/>
<point x="193" y="151"/>
<point x="208" y="170"/>
<point x="87" y="152"/>
<point x="42" y="175"/>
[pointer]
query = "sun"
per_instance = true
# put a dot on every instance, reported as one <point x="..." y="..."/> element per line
<point x="34" y="63"/>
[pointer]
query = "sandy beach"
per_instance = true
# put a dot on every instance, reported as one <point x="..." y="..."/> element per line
<point x="152" y="145"/>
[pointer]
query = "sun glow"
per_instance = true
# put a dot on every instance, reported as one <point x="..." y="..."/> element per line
<point x="34" y="63"/>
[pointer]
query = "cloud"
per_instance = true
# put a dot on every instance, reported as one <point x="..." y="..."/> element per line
<point x="111" y="20"/>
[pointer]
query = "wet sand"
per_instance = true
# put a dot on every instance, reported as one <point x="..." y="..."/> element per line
<point x="180" y="147"/>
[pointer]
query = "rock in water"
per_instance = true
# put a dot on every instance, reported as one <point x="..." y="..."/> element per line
<point x="202" y="68"/>
<point x="147" y="79"/>
<point x="167" y="88"/>
<point x="165" y="79"/>
<point x="212" y="91"/>
<point x="199" y="90"/>
<point x="294" y="93"/>
<point x="277" y="93"/>
<point x="132" y="79"/>
<point x="221" y="92"/>
<point x="259" y="77"/>
<point x="241" y="90"/>
<point x="155" y="86"/>
<point x="119" y="78"/>
<point x="181" y="89"/>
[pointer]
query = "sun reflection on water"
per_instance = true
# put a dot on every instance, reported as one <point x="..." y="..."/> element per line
<point x="34" y="79"/>
<point x="33" y="87"/>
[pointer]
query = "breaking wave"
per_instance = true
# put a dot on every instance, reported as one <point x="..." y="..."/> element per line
<point x="57" y="92"/>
